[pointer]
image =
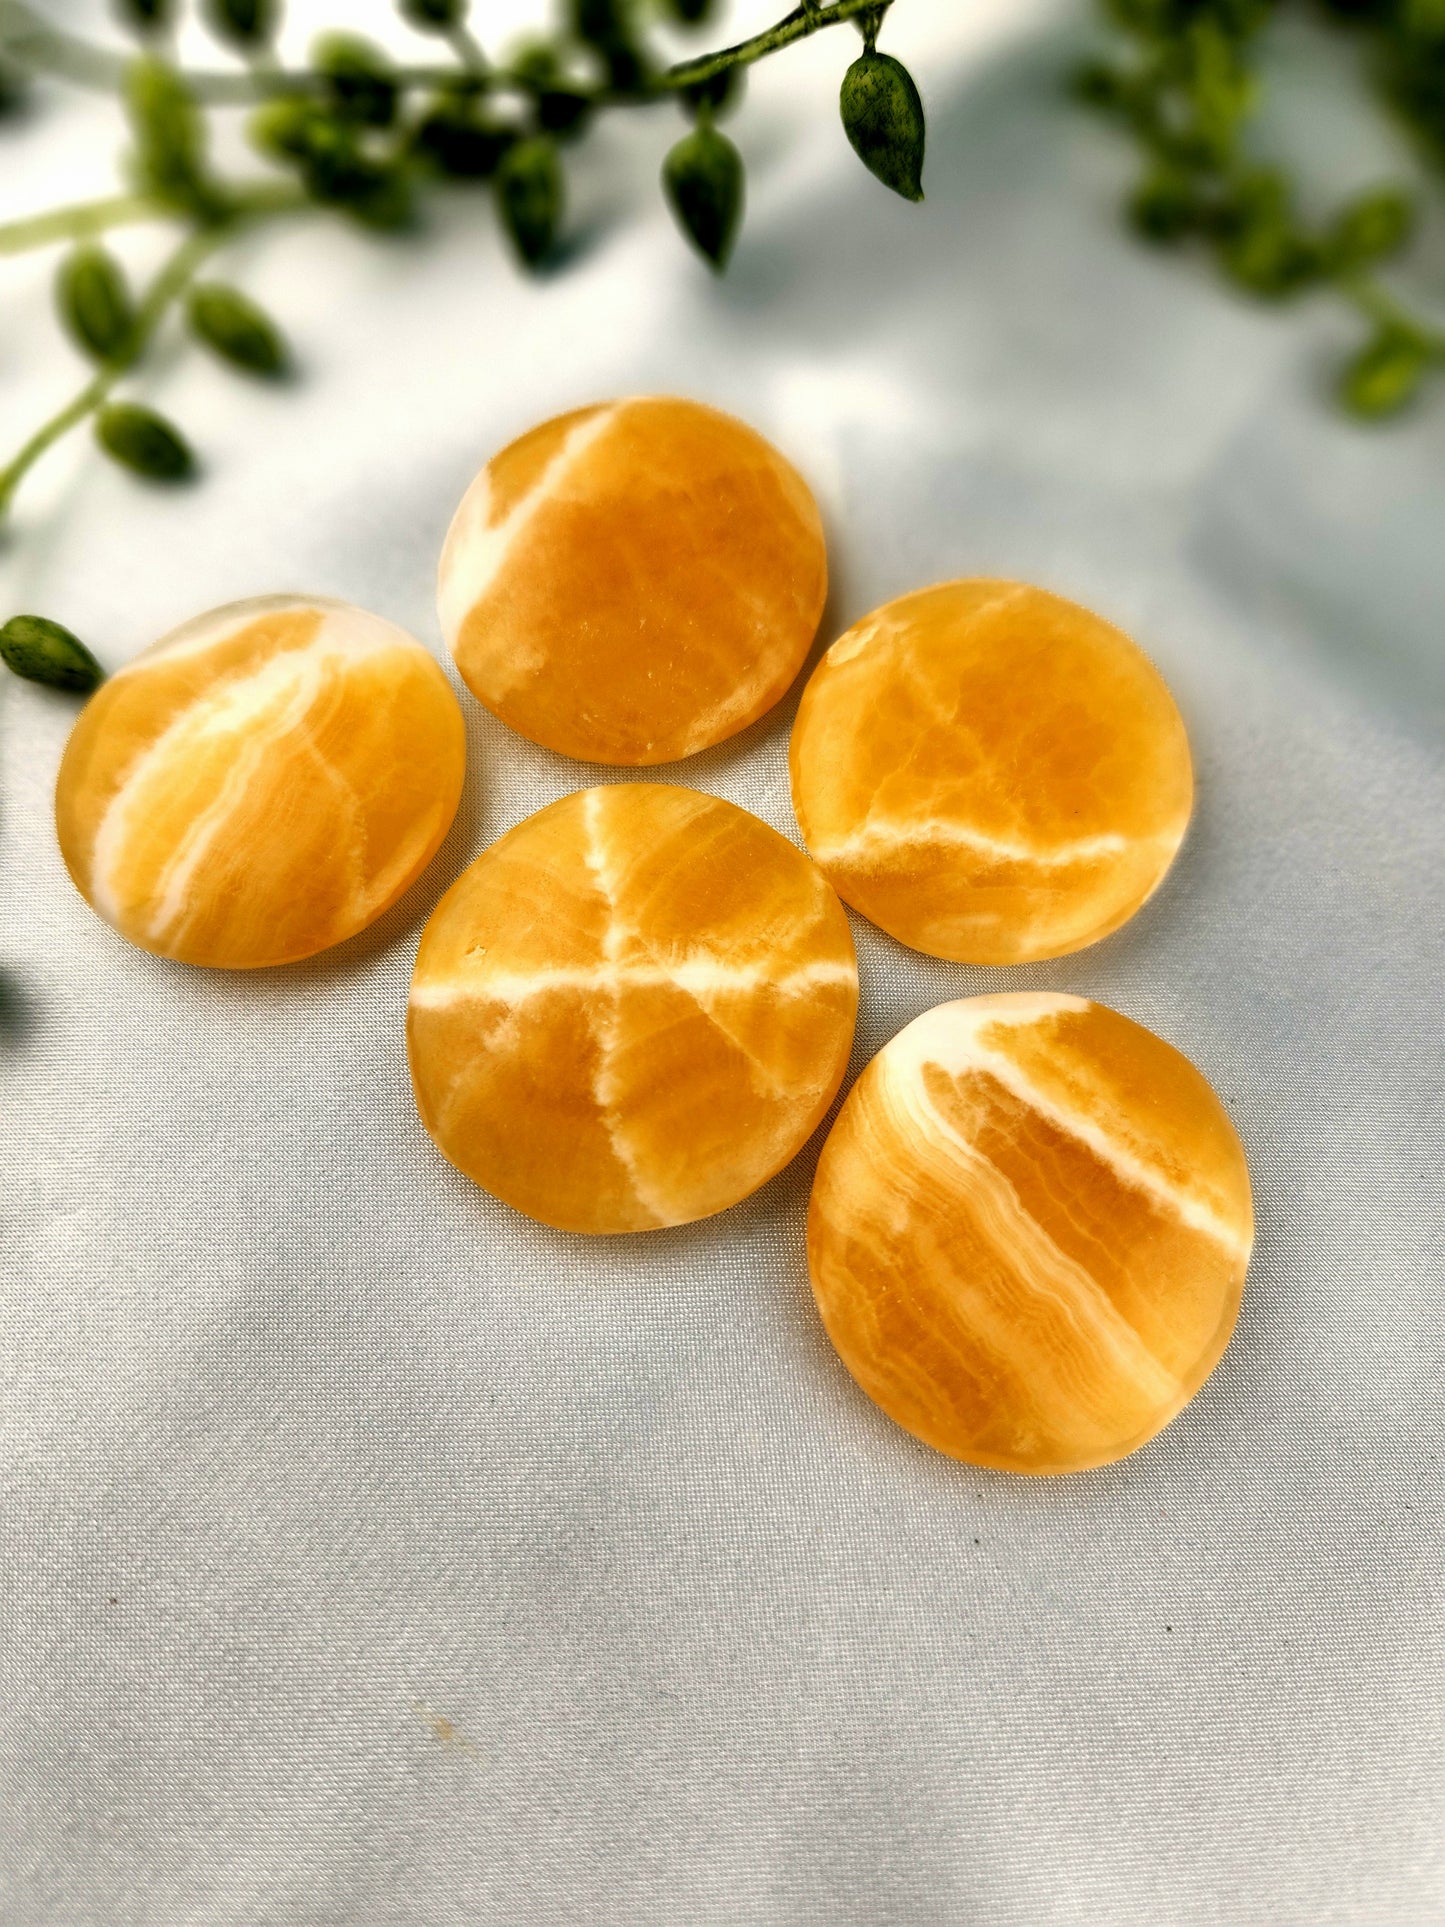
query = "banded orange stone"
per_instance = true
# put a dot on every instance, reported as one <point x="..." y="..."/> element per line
<point x="1029" y="1232"/>
<point x="634" y="581"/>
<point x="632" y="1010"/>
<point x="990" y="773"/>
<point x="261" y="784"/>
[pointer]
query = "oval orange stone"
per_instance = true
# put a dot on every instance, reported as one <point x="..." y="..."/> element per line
<point x="1029" y="1232"/>
<point x="632" y="582"/>
<point x="990" y="773"/>
<point x="632" y="1010"/>
<point x="262" y="783"/>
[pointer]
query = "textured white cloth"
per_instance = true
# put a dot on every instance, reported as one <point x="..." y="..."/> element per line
<point x="371" y="1555"/>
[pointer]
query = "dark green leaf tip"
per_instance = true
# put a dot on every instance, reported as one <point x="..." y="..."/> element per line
<point x="44" y="651"/>
<point x="883" y="118"/>
<point x="433" y="16"/>
<point x="530" y="196"/>
<point x="703" y="178"/>
<point x="245" y="23"/>
<point x="144" y="16"/>
<point x="143" y="442"/>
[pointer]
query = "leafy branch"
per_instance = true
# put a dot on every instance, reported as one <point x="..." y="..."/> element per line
<point x="1184" y="82"/>
<point x="355" y="133"/>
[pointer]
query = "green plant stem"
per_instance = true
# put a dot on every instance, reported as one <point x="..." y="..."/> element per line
<point x="26" y="38"/>
<point x="800" y="24"/>
<point x="465" y="46"/>
<point x="76" y="223"/>
<point x="170" y="283"/>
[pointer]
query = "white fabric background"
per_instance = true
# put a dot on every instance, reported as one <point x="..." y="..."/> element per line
<point x="371" y="1555"/>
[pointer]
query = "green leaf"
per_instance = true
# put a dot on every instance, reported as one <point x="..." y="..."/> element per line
<point x="13" y="82"/>
<point x="145" y="16"/>
<point x="1101" y="84"/>
<point x="169" y="134"/>
<point x="334" y="165"/>
<point x="703" y="178"/>
<point x="95" y="303"/>
<point x="143" y="441"/>
<point x="1371" y="227"/>
<point x="385" y="203"/>
<point x="1270" y="259"/>
<point x="245" y="23"/>
<point x="602" y="23"/>
<point x="358" y="77"/>
<point x="44" y="651"/>
<point x="610" y="28"/>
<point x="563" y="111"/>
<point x="530" y="195"/>
<point x="231" y="324"/>
<point x="1386" y="375"/>
<point x="1165" y="205"/>
<point x="433" y="16"/>
<point x="883" y="118"/>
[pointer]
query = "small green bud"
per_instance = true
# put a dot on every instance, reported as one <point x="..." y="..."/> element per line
<point x="358" y="77"/>
<point x="141" y="440"/>
<point x="169" y="135"/>
<point x="1371" y="227"/>
<point x="688" y="13"/>
<point x="231" y="324"/>
<point x="245" y="23"/>
<point x="95" y="303"/>
<point x="459" y="142"/>
<point x="883" y="118"/>
<point x="703" y="178"/>
<point x="530" y="194"/>
<point x="433" y="16"/>
<point x="144" y="16"/>
<point x="44" y="651"/>
<point x="1386" y="375"/>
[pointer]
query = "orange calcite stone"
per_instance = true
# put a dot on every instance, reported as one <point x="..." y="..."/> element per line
<point x="632" y="1010"/>
<point x="990" y="773"/>
<point x="261" y="784"/>
<point x="632" y="582"/>
<point x="1029" y="1232"/>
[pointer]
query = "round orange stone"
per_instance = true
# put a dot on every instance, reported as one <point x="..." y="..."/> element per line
<point x="1029" y="1232"/>
<point x="632" y="582"/>
<point x="262" y="783"/>
<point x="990" y="773"/>
<point x="632" y="1010"/>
